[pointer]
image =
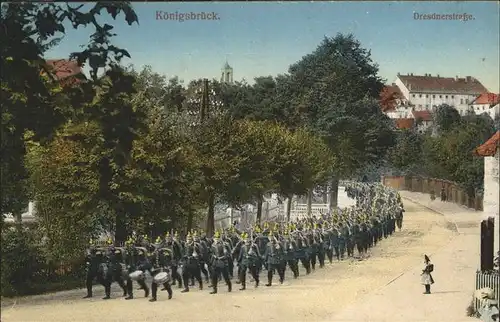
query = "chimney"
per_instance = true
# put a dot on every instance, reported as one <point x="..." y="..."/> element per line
<point x="467" y="79"/>
<point x="399" y="74"/>
<point x="437" y="75"/>
<point x="411" y="74"/>
<point x="456" y="78"/>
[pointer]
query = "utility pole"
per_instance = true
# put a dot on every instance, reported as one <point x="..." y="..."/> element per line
<point x="204" y="114"/>
<point x="204" y="102"/>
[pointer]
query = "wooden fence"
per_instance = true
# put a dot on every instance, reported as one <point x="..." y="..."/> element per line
<point x="453" y="191"/>
<point x="487" y="279"/>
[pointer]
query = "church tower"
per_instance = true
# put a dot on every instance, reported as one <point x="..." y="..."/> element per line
<point x="227" y="74"/>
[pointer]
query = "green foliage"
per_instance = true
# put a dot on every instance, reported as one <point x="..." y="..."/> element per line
<point x="20" y="259"/>
<point x="406" y="155"/>
<point x="448" y="155"/>
<point x="446" y="118"/>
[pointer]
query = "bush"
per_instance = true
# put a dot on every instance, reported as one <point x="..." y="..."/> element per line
<point x="26" y="271"/>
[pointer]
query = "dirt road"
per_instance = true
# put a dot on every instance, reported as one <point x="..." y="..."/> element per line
<point x="316" y="297"/>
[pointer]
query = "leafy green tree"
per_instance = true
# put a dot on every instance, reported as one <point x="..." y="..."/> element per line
<point x="406" y="154"/>
<point x="335" y="92"/>
<point x="446" y="117"/>
<point x="29" y="101"/>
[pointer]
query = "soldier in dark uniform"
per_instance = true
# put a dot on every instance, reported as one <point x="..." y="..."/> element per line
<point x="204" y="256"/>
<point x="137" y="261"/>
<point x="302" y="251"/>
<point x="335" y="241"/>
<point x="290" y="247"/>
<point x="175" y="246"/>
<point x="321" y="248"/>
<point x="118" y="268"/>
<point x="219" y="264"/>
<point x="96" y="262"/>
<point x="191" y="265"/>
<point x="248" y="259"/>
<point x="273" y="258"/>
<point x="399" y="216"/>
<point x="343" y="239"/>
<point x="163" y="263"/>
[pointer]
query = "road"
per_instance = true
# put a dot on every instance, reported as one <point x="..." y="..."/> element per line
<point x="320" y="296"/>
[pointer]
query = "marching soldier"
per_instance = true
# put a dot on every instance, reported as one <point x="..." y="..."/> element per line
<point x="248" y="259"/>
<point x="219" y="264"/>
<point x="96" y="268"/>
<point x="161" y="274"/>
<point x="118" y="268"/>
<point x="273" y="257"/>
<point x="191" y="265"/>
<point x="138" y="264"/>
<point x="172" y="242"/>
<point x="289" y="247"/>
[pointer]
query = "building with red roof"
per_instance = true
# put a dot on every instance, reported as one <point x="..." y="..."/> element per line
<point x="66" y="71"/>
<point x="487" y="103"/>
<point x="426" y="92"/>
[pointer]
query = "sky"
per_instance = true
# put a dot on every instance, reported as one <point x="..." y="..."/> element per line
<point x="260" y="39"/>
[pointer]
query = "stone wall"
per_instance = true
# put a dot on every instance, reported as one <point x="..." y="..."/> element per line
<point x="425" y="185"/>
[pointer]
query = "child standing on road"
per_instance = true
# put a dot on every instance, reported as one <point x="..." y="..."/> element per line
<point x="427" y="279"/>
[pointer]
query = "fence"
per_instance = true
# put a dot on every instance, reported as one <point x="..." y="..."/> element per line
<point x="247" y="216"/>
<point x="453" y="192"/>
<point x="487" y="279"/>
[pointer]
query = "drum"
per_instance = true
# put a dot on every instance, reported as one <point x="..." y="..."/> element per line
<point x="161" y="278"/>
<point x="137" y="275"/>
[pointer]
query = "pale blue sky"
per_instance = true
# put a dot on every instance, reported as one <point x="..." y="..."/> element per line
<point x="261" y="39"/>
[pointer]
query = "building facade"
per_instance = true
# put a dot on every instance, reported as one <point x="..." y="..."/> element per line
<point x="486" y="103"/>
<point x="491" y="153"/>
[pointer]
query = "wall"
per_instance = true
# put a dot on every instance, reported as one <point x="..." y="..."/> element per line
<point x="426" y="185"/>
<point x="491" y="193"/>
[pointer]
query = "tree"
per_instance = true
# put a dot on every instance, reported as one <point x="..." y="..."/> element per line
<point x="66" y="184"/>
<point x="27" y="31"/>
<point x="406" y="154"/>
<point x="446" y="117"/>
<point x="335" y="91"/>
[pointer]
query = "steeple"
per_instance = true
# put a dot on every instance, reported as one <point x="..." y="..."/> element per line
<point x="227" y="74"/>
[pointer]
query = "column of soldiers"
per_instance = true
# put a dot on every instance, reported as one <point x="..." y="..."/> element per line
<point x="274" y="247"/>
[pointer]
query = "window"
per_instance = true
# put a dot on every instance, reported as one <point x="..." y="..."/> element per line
<point x="413" y="95"/>
<point x="461" y="101"/>
<point x="427" y="106"/>
<point x="420" y="95"/>
<point x="466" y="101"/>
<point x="452" y="96"/>
<point x="440" y="96"/>
<point x="426" y="95"/>
<point x="433" y="96"/>
<point x="446" y="96"/>
<point x="419" y="105"/>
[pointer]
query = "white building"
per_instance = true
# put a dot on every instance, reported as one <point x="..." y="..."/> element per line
<point x="427" y="92"/>
<point x="491" y="151"/>
<point x="486" y="103"/>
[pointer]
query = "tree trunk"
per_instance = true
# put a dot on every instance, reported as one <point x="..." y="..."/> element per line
<point x="259" y="209"/>
<point x="334" y="192"/>
<point x="309" y="202"/>
<point x="288" y="208"/>
<point x="211" y="215"/>
<point x="120" y="228"/>
<point x="189" y="225"/>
